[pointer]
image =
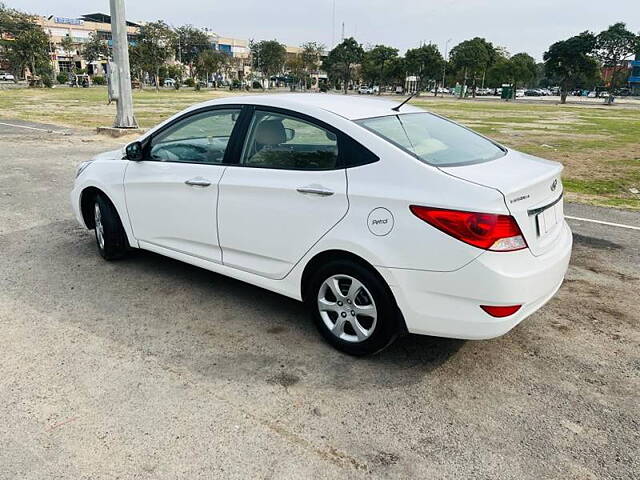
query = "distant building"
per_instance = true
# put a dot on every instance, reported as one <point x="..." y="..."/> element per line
<point x="239" y="52"/>
<point x="80" y="30"/>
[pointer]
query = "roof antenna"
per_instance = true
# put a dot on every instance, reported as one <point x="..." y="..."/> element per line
<point x="397" y="109"/>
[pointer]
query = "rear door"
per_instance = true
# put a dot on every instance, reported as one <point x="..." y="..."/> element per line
<point x="287" y="192"/>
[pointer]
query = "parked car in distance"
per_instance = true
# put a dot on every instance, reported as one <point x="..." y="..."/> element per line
<point x="169" y="82"/>
<point x="7" y="77"/>
<point x="382" y="220"/>
<point x="365" y="90"/>
<point x="520" y="93"/>
<point x="532" y="92"/>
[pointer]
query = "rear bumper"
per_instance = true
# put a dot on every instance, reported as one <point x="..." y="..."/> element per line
<point x="447" y="304"/>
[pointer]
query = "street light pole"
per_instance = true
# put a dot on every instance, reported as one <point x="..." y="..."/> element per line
<point x="444" y="66"/>
<point x="124" y="100"/>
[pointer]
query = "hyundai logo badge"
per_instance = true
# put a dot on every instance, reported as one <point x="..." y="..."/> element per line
<point x="554" y="185"/>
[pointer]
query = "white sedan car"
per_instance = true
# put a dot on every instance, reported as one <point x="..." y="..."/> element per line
<point x="383" y="220"/>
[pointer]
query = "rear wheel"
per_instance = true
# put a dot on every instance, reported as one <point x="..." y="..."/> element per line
<point x="110" y="235"/>
<point x="352" y="308"/>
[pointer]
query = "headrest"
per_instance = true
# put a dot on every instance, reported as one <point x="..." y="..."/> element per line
<point x="270" y="132"/>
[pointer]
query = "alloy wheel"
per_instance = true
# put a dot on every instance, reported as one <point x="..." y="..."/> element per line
<point x="347" y="308"/>
<point x="99" y="227"/>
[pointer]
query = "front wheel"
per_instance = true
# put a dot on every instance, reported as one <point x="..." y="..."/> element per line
<point x="352" y="308"/>
<point x="110" y="235"/>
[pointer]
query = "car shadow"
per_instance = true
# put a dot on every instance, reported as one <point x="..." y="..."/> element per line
<point x="188" y="317"/>
<point x="288" y="320"/>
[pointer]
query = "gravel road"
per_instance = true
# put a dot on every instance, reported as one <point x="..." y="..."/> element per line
<point x="150" y="368"/>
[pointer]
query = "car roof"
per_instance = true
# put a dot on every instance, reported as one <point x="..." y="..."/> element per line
<point x="348" y="106"/>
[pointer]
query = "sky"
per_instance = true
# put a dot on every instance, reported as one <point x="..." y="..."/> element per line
<point x="520" y="26"/>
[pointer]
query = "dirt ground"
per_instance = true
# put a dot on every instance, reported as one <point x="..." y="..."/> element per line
<point x="150" y="368"/>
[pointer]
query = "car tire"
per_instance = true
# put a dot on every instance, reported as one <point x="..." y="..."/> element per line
<point x="110" y="235"/>
<point x="362" y="318"/>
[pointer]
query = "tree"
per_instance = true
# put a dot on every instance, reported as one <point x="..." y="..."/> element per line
<point x="25" y="44"/>
<point x="613" y="47"/>
<point x="295" y="67"/>
<point x="342" y="60"/>
<point x="95" y="49"/>
<point x="498" y="72"/>
<point x="268" y="57"/>
<point x="521" y="68"/>
<point x="311" y="58"/>
<point x="189" y="45"/>
<point x="13" y="22"/>
<point x="396" y="71"/>
<point x="472" y="57"/>
<point x="67" y="44"/>
<point x="425" y="62"/>
<point x="571" y="62"/>
<point x="155" y="45"/>
<point x="210" y="61"/>
<point x="136" y="63"/>
<point x="30" y="49"/>
<point x="175" y="71"/>
<point x="375" y="63"/>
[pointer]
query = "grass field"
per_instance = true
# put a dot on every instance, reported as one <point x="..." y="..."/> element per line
<point x="599" y="145"/>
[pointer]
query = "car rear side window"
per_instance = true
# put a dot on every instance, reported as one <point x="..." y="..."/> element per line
<point x="280" y="141"/>
<point x="433" y="139"/>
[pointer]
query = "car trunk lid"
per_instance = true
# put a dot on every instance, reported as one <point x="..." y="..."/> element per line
<point x="532" y="190"/>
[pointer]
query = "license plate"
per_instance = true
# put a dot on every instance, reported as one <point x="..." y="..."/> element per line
<point x="549" y="218"/>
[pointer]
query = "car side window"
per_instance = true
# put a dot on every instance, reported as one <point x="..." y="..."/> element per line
<point x="199" y="138"/>
<point x="281" y="141"/>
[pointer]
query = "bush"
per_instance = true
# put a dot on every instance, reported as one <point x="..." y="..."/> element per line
<point x="189" y="82"/>
<point x="99" y="80"/>
<point x="257" y="85"/>
<point x="47" y="80"/>
<point x="62" y="78"/>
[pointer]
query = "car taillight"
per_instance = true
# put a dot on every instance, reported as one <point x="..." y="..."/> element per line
<point x="499" y="311"/>
<point x="489" y="231"/>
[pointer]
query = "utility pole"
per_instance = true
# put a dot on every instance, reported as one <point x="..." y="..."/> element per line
<point x="444" y="65"/>
<point x="122" y="77"/>
<point x="333" y="26"/>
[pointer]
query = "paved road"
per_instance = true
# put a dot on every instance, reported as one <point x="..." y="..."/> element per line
<point x="149" y="368"/>
<point x="13" y="126"/>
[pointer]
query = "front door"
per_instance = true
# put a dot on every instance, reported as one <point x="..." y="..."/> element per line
<point x="286" y="193"/>
<point x="172" y="195"/>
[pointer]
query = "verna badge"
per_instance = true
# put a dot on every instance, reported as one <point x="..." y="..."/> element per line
<point x="554" y="185"/>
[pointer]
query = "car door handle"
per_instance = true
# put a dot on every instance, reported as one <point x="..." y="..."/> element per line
<point x="198" y="182"/>
<point x="322" y="192"/>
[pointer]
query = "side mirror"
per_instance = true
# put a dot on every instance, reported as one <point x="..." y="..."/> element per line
<point x="134" y="151"/>
<point x="289" y="134"/>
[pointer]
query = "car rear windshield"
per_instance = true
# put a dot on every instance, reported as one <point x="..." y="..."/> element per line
<point x="433" y="139"/>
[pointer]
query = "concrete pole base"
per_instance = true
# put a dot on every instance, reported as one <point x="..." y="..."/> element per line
<point x="119" y="132"/>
